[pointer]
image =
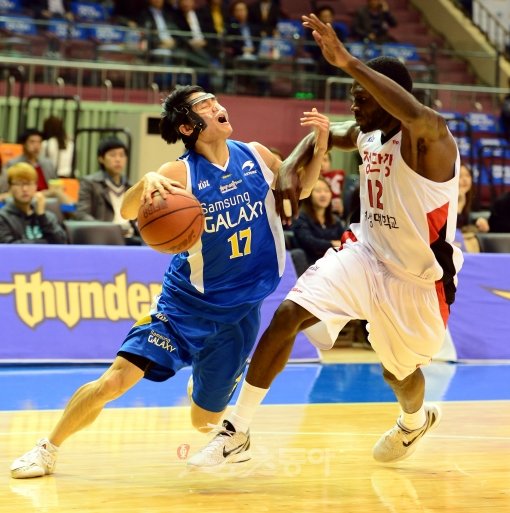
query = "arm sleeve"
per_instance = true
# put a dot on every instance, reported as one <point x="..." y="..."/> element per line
<point x="85" y="200"/>
<point x="52" y="230"/>
<point x="7" y="235"/>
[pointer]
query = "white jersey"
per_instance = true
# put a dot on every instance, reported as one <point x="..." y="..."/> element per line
<point x="401" y="273"/>
<point x="408" y="221"/>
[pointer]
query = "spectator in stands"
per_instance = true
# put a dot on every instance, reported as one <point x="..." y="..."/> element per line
<point x="166" y="45"/>
<point x="45" y="10"/>
<point x="317" y="228"/>
<point x="187" y="20"/>
<point x="213" y="19"/>
<point x="465" y="226"/>
<point x="326" y="14"/>
<point x="265" y="15"/>
<point x="160" y="25"/>
<point x="242" y="37"/>
<point x="24" y="219"/>
<point x="31" y="141"/>
<point x="101" y="193"/>
<point x="372" y="21"/>
<point x="499" y="220"/>
<point x="57" y="146"/>
<point x="127" y="12"/>
<point x="466" y="193"/>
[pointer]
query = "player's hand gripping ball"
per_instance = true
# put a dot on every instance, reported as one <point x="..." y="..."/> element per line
<point x="172" y="224"/>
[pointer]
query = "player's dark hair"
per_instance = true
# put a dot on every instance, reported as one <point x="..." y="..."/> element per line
<point x="392" y="68"/>
<point x="175" y="113"/>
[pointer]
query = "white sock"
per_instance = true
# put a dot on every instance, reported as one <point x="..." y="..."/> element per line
<point x="249" y="400"/>
<point x="412" y="421"/>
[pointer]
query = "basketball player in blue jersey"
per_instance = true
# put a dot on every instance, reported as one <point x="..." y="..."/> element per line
<point x="398" y="271"/>
<point x="208" y="313"/>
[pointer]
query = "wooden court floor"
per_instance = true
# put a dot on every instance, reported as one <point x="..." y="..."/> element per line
<point x="306" y="458"/>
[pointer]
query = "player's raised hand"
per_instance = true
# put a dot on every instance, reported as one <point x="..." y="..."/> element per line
<point x="320" y="123"/>
<point x="332" y="48"/>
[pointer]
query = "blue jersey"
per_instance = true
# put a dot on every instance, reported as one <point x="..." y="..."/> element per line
<point x="240" y="257"/>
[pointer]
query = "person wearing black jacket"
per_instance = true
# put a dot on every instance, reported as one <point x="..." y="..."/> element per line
<point x="499" y="220"/>
<point x="24" y="219"/>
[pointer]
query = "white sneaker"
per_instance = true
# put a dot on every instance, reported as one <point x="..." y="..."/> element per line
<point x="399" y="443"/>
<point x="227" y="446"/>
<point x="38" y="462"/>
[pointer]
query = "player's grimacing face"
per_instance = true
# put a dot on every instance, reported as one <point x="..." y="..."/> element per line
<point x="211" y="111"/>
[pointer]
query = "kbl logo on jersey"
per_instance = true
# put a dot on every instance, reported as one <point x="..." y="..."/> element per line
<point x="203" y="184"/>
<point x="248" y="166"/>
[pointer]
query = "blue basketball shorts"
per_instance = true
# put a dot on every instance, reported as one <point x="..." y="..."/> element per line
<point x="216" y="351"/>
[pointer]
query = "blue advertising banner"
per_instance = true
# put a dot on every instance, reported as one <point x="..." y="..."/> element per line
<point x="77" y="303"/>
<point x="480" y="320"/>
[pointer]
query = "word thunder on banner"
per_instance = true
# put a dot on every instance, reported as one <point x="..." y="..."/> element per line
<point x="77" y="303"/>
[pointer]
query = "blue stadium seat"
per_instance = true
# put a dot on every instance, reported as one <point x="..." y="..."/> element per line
<point x="89" y="11"/>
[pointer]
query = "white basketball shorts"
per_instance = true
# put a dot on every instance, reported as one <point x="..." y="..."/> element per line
<point x="404" y="319"/>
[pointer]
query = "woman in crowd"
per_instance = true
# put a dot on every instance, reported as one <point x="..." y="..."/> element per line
<point x="317" y="228"/>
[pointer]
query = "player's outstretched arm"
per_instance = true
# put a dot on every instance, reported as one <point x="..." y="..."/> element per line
<point x="342" y="135"/>
<point x="425" y="127"/>
<point x="390" y="96"/>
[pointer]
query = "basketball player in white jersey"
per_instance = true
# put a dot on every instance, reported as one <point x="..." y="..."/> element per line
<point x="397" y="271"/>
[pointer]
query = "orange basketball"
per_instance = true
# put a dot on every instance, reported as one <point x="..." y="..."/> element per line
<point x="172" y="224"/>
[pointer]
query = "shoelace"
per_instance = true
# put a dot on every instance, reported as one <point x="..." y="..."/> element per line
<point x="220" y="432"/>
<point x="37" y="450"/>
<point x="219" y="429"/>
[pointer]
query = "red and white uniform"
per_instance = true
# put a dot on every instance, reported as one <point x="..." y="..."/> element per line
<point x="401" y="272"/>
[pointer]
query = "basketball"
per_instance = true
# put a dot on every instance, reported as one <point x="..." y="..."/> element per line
<point x="172" y="224"/>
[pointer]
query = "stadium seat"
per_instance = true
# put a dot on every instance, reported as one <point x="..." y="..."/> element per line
<point x="94" y="232"/>
<point x="290" y="240"/>
<point x="299" y="260"/>
<point x="494" y="242"/>
<point x="53" y="205"/>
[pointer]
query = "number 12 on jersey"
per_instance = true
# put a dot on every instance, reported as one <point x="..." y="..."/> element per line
<point x="375" y="190"/>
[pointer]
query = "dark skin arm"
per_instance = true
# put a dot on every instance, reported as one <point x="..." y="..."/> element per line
<point x="427" y="145"/>
<point x="342" y="134"/>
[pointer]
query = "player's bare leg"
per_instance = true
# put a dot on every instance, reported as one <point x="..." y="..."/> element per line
<point x="415" y="420"/>
<point x="232" y="443"/>
<point x="204" y="420"/>
<point x="83" y="408"/>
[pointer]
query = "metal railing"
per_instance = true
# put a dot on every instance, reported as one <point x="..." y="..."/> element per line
<point x="429" y="93"/>
<point x="53" y="69"/>
<point x="496" y="32"/>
